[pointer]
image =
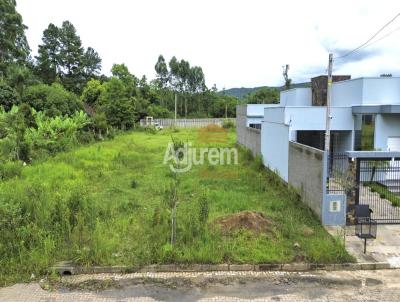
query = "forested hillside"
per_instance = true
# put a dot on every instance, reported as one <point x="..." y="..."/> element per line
<point x="243" y="92"/>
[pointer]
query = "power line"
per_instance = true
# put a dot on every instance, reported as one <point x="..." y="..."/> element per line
<point x="385" y="36"/>
<point x="370" y="39"/>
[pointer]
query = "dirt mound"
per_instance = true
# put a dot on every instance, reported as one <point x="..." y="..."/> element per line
<point x="247" y="220"/>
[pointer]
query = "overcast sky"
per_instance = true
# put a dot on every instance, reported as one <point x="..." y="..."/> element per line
<point x="237" y="43"/>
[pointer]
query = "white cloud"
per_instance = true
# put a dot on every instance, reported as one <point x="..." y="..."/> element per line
<point x="238" y="43"/>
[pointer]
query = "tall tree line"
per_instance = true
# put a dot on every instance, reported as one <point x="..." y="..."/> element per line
<point x="65" y="77"/>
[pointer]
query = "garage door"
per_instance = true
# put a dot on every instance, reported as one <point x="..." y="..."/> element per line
<point x="394" y="143"/>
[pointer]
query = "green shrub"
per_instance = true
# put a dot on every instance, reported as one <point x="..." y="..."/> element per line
<point x="203" y="210"/>
<point x="157" y="111"/>
<point x="134" y="184"/>
<point x="52" y="99"/>
<point x="10" y="169"/>
<point x="91" y="93"/>
<point x="228" y="124"/>
<point x="258" y="162"/>
<point x="55" y="134"/>
<point x="8" y="97"/>
<point x="13" y="145"/>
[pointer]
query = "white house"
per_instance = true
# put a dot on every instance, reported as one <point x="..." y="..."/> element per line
<point x="365" y="115"/>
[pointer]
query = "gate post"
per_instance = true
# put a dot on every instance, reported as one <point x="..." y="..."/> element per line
<point x="352" y="191"/>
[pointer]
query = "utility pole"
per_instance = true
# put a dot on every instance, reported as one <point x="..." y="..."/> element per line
<point x="286" y="76"/>
<point x="176" y="101"/>
<point x="328" y="107"/>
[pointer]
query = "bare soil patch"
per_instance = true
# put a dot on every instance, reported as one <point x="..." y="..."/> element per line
<point x="253" y="221"/>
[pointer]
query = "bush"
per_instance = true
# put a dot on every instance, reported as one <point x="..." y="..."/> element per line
<point x="55" y="134"/>
<point x="13" y="145"/>
<point x="8" y="97"/>
<point x="52" y="100"/>
<point x="258" y="163"/>
<point x="228" y="124"/>
<point x="92" y="92"/>
<point x="10" y="170"/>
<point x="157" y="111"/>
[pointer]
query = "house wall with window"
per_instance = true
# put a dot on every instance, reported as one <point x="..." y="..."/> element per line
<point x="386" y="126"/>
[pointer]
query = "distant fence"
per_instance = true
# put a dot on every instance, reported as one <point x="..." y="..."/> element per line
<point x="189" y="123"/>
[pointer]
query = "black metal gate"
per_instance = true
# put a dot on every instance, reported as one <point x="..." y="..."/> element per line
<point x="378" y="185"/>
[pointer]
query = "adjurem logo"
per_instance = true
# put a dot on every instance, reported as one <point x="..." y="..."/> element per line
<point x="184" y="158"/>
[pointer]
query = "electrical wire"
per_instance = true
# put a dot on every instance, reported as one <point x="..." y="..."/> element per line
<point x="385" y="36"/>
<point x="366" y="44"/>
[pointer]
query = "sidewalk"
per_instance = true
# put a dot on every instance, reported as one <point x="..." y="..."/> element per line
<point x="385" y="248"/>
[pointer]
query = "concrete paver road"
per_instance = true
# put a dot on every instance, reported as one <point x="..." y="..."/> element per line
<point x="383" y="285"/>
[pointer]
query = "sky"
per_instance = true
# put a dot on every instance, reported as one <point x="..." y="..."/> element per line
<point x="238" y="43"/>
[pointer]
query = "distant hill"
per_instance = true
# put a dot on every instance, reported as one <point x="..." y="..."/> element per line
<point x="241" y="93"/>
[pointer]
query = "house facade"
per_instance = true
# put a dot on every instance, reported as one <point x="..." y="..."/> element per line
<point x="365" y="129"/>
<point x="365" y="116"/>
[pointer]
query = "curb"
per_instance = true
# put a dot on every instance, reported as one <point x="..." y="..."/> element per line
<point x="67" y="268"/>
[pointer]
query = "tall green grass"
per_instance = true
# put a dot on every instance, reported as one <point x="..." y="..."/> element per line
<point x="82" y="205"/>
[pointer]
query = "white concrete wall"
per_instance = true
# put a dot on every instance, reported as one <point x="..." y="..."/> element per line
<point x="274" y="115"/>
<point x="314" y="118"/>
<point x="366" y="91"/>
<point x="383" y="91"/>
<point x="256" y="110"/>
<point x="347" y="93"/>
<point x="386" y="125"/>
<point x="253" y="120"/>
<point x="296" y="97"/>
<point x="275" y="147"/>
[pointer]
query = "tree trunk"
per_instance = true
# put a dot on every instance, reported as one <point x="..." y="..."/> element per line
<point x="173" y="223"/>
<point x="185" y="107"/>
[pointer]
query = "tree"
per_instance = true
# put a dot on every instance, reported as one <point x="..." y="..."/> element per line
<point x="92" y="92"/>
<point x="14" y="46"/>
<point x="8" y="97"/>
<point x="162" y="72"/>
<point x="265" y="95"/>
<point x="48" y="59"/>
<point x="130" y="82"/>
<point x="118" y="107"/>
<point x="62" y="55"/>
<point x="52" y="99"/>
<point x="21" y="76"/>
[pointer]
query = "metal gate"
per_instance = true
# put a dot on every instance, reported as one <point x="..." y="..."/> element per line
<point x="378" y="185"/>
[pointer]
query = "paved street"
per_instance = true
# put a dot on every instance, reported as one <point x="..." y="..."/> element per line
<point x="381" y="285"/>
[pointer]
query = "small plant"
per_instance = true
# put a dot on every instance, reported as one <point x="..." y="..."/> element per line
<point x="134" y="184"/>
<point x="173" y="129"/>
<point x="10" y="170"/>
<point x="171" y="200"/>
<point x="228" y="124"/>
<point x="203" y="210"/>
<point x="258" y="162"/>
<point x="178" y="145"/>
<point x="151" y="129"/>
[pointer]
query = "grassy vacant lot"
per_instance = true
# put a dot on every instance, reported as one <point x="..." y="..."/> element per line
<point x="105" y="204"/>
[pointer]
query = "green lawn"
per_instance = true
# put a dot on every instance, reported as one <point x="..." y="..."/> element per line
<point x="105" y="204"/>
<point x="384" y="193"/>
